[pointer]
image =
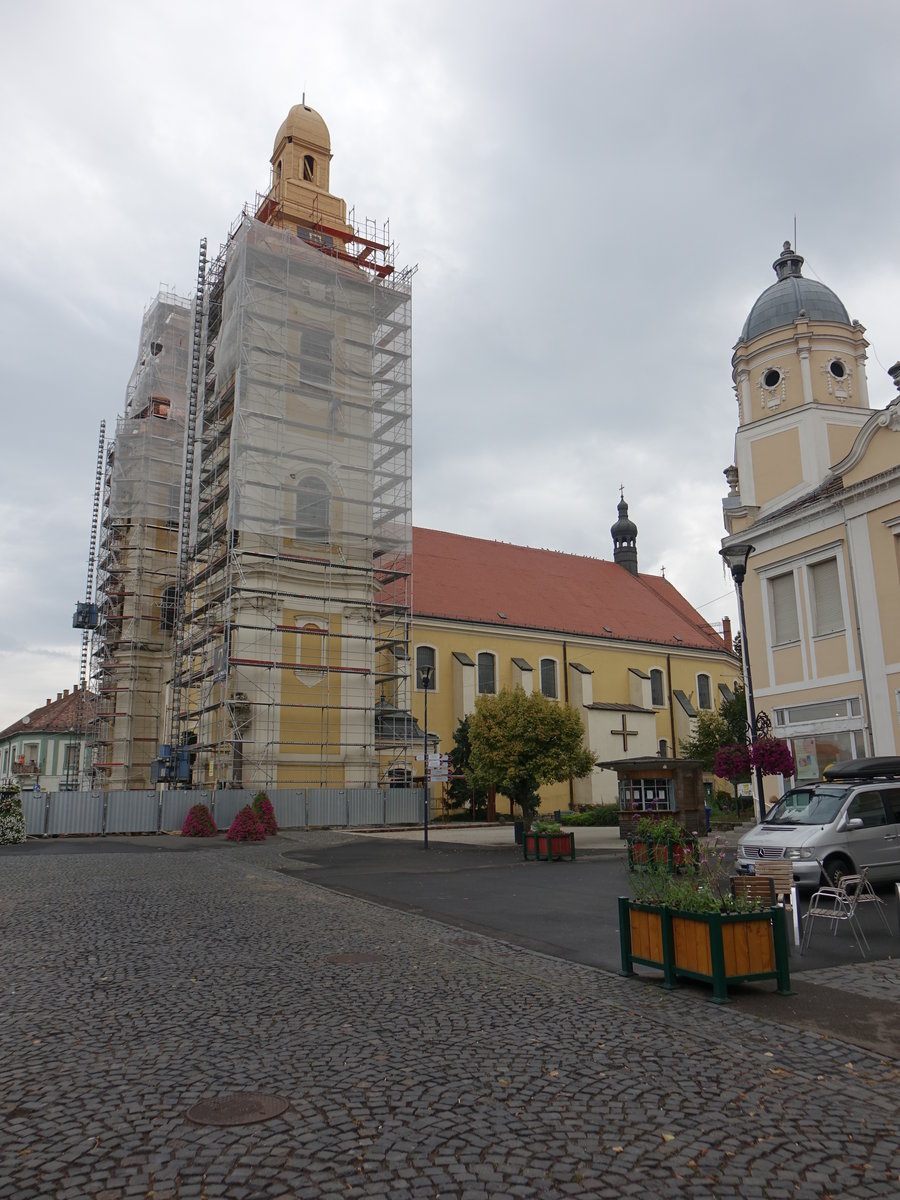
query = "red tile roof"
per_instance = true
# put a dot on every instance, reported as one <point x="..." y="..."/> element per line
<point x="58" y="716"/>
<point x="470" y="579"/>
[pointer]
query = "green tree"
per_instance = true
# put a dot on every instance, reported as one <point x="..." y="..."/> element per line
<point x="464" y="789"/>
<point x="520" y="742"/>
<point x="727" y="727"/>
<point x="712" y="733"/>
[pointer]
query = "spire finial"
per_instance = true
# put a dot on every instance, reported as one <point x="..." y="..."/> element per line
<point x="621" y="491"/>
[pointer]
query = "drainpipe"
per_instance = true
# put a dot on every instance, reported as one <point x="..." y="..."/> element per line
<point x="566" y="695"/>
<point x="671" y="705"/>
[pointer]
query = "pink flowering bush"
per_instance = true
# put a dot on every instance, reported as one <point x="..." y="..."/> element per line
<point x="246" y="827"/>
<point x="262" y="806"/>
<point x="199" y="823"/>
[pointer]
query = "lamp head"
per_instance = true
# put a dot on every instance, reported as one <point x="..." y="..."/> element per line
<point x="736" y="555"/>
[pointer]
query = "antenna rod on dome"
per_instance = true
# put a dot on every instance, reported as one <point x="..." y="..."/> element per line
<point x="303" y="101"/>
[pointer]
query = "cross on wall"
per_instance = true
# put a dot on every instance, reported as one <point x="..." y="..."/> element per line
<point x="624" y="733"/>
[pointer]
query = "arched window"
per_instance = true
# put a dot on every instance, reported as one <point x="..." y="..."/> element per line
<point x="704" y="692"/>
<point x="657" y="692"/>
<point x="426" y="669"/>
<point x="548" y="678"/>
<point x="487" y="673"/>
<point x="309" y="168"/>
<point x="313" y="510"/>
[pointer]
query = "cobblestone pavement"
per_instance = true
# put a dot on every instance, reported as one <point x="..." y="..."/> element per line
<point x="418" y="1060"/>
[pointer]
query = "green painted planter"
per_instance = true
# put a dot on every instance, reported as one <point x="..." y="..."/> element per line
<point x="671" y="853"/>
<point x="548" y="846"/>
<point x="717" y="948"/>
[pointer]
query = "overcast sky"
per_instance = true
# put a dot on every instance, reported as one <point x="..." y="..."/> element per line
<point x="593" y="192"/>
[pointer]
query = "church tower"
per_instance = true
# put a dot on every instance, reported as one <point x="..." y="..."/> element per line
<point x="800" y="380"/>
<point x="624" y="536"/>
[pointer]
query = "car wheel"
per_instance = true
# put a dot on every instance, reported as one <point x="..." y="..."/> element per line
<point x="835" y="869"/>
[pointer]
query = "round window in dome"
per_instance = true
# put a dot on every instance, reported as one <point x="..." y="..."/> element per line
<point x="837" y="368"/>
<point x="772" y="378"/>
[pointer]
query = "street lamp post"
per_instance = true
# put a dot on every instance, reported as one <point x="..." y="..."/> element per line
<point x="425" y="677"/>
<point x="736" y="556"/>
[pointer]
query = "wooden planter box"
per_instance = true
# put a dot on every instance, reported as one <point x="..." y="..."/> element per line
<point x="717" y="948"/>
<point x="548" y="846"/>
<point x="670" y="853"/>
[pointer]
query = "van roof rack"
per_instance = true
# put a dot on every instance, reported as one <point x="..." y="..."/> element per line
<point x="863" y="768"/>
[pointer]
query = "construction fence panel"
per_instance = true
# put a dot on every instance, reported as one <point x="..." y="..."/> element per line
<point x="404" y="806"/>
<point x="290" y="808"/>
<point x="34" y="808"/>
<point x="365" y="806"/>
<point x="228" y="804"/>
<point x="327" y="806"/>
<point x="132" y="812"/>
<point x="176" y="805"/>
<point x="75" y="812"/>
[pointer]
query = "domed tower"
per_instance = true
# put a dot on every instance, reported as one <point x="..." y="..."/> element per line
<point x="800" y="380"/>
<point x="301" y="168"/>
<point x="624" y="536"/>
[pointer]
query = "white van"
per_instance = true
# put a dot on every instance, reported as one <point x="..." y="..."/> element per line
<point x="850" y="820"/>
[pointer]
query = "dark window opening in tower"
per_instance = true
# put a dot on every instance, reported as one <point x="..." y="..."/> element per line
<point x="313" y="510"/>
<point x="309" y="168"/>
<point x="772" y="378"/>
<point x="167" y="609"/>
<point x="837" y="369"/>
<point x="315" y="354"/>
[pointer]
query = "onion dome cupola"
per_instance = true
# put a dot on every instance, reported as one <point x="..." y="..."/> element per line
<point x="792" y="296"/>
<point x="624" y="536"/>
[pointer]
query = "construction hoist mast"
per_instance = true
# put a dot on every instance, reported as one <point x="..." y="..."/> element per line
<point x="178" y="765"/>
<point x="86" y="619"/>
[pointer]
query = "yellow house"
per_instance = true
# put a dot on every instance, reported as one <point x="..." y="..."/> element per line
<point x="624" y="649"/>
<point x="815" y="494"/>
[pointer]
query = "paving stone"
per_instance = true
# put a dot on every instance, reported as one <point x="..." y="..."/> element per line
<point x="448" y="1069"/>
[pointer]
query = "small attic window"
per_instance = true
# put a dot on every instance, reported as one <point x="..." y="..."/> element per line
<point x="309" y="168"/>
<point x="772" y="378"/>
<point x="837" y="369"/>
<point x="156" y="348"/>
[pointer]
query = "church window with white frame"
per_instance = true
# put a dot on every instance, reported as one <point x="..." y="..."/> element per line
<point x="426" y="661"/>
<point x="549" y="677"/>
<point x="657" y="689"/>
<point x="487" y="673"/>
<point x="704" y="692"/>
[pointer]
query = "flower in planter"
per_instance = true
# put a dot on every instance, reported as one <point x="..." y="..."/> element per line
<point x="704" y="886"/>
<point x="246" y="827"/>
<point x="199" y="823"/>
<point x="547" y="827"/>
<point x="12" y="819"/>
<point x="262" y="806"/>
<point x="659" y="829"/>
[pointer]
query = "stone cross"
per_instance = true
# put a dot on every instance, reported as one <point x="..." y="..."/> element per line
<point x="624" y="733"/>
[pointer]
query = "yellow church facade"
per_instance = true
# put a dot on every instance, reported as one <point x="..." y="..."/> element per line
<point x="624" y="649"/>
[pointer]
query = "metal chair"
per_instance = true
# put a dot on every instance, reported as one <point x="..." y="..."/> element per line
<point x="866" y="894"/>
<point x="836" y="903"/>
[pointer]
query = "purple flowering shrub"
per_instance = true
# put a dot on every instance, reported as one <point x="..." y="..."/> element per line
<point x="246" y="827"/>
<point x="262" y="806"/>
<point x="199" y="823"/>
<point x="773" y="756"/>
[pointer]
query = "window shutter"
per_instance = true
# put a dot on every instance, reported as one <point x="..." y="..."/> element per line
<point x="826" y="591"/>
<point x="784" y="609"/>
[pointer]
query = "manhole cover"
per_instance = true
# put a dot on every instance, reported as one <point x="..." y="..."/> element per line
<point x="237" y="1108"/>
<point x="355" y="960"/>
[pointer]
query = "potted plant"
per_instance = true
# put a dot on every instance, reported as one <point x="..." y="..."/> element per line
<point x="690" y="925"/>
<point x="547" y="840"/>
<point x="659" y="842"/>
